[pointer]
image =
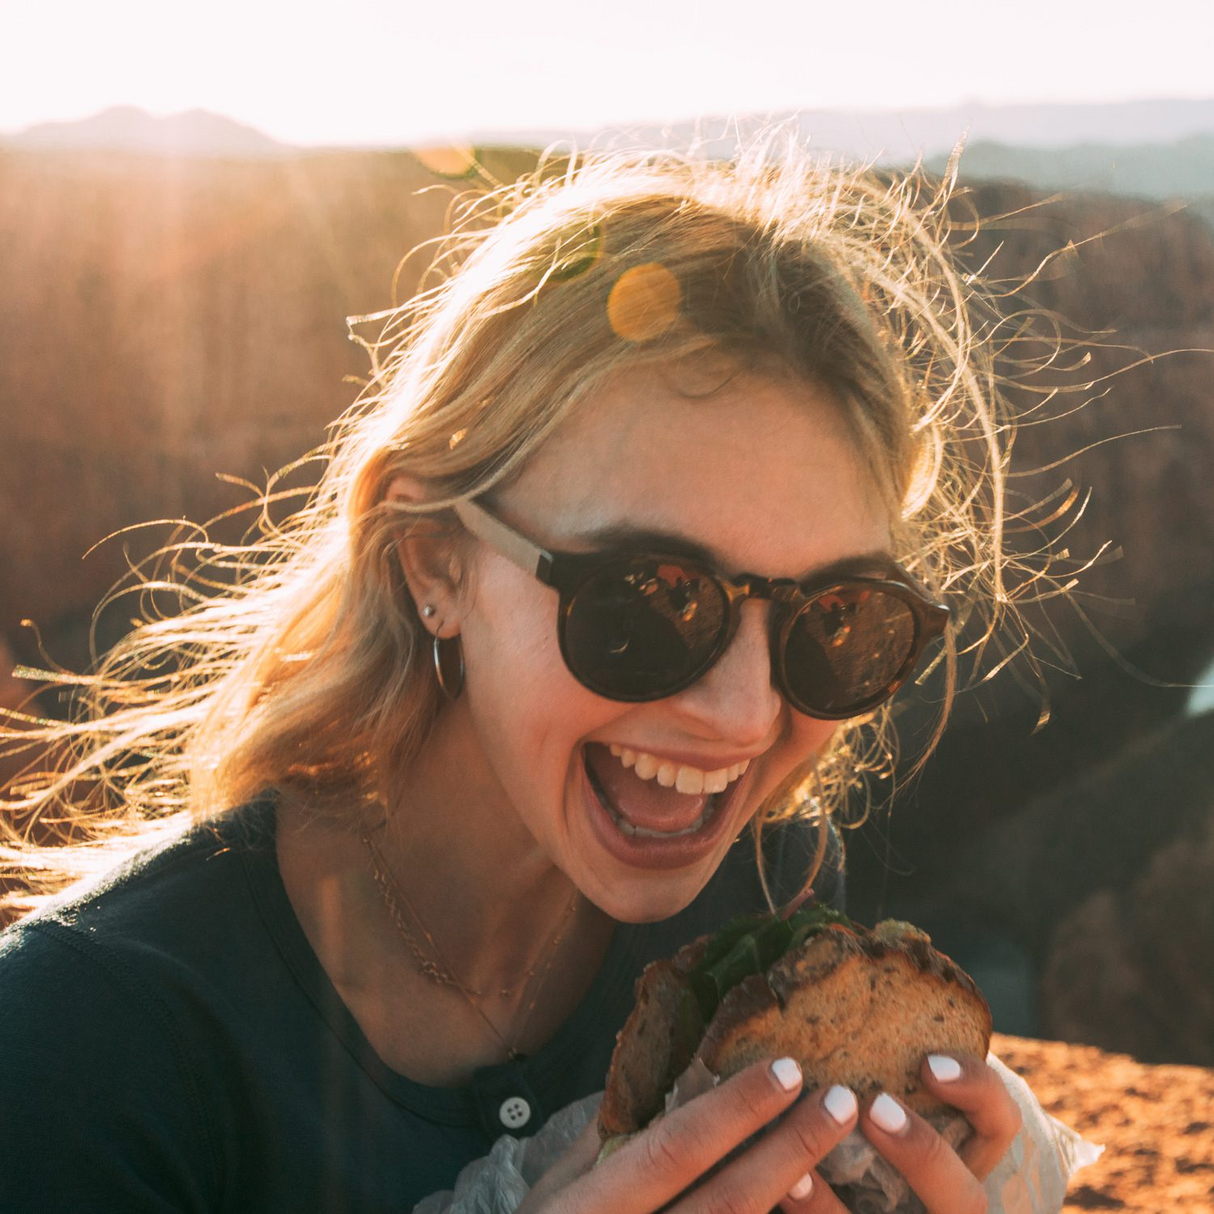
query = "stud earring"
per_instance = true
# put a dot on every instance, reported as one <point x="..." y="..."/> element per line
<point x="428" y="610"/>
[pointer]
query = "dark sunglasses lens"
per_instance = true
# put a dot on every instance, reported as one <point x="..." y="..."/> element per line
<point x="643" y="629"/>
<point x="847" y="648"/>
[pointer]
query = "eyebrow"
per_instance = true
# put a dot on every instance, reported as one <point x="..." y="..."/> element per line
<point x="623" y="538"/>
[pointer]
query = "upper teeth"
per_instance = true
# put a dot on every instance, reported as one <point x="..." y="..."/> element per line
<point x="678" y="775"/>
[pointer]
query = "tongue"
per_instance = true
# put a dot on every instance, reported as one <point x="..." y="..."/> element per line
<point x="642" y="802"/>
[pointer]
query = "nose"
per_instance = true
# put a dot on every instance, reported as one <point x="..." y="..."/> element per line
<point x="736" y="700"/>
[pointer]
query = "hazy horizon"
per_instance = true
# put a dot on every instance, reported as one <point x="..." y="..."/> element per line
<point x="378" y="73"/>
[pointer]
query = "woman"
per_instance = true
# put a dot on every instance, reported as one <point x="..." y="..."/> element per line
<point x="620" y="561"/>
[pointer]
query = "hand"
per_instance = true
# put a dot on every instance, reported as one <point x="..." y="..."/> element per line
<point x="653" y="1168"/>
<point x="947" y="1181"/>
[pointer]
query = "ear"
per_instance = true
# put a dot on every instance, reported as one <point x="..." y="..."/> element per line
<point x="428" y="552"/>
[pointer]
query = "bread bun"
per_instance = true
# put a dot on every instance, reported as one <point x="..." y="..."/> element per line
<point x="853" y="1006"/>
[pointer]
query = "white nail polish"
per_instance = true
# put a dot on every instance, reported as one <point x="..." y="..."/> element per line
<point x="803" y="1188"/>
<point x="787" y="1073"/>
<point x="840" y="1103"/>
<point x="887" y="1113"/>
<point x="944" y="1068"/>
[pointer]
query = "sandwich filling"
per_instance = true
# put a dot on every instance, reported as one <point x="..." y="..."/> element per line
<point x="749" y="945"/>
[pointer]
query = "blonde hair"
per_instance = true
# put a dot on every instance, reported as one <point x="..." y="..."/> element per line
<point x="306" y="668"/>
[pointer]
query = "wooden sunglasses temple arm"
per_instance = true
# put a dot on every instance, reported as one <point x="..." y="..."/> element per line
<point x="529" y="557"/>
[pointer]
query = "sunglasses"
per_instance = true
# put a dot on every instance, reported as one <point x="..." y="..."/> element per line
<point x="644" y="625"/>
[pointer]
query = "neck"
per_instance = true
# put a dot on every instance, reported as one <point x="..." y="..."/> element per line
<point x="475" y="879"/>
<point x="485" y="891"/>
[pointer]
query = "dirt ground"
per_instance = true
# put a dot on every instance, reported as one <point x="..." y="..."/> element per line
<point x="1156" y="1124"/>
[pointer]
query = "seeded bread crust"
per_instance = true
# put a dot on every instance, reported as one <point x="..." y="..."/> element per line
<point x="652" y="1049"/>
<point x="828" y="1005"/>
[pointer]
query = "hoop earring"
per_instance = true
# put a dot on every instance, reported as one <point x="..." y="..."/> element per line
<point x="450" y="689"/>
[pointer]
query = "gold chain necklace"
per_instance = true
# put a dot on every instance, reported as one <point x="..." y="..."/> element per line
<point x="435" y="966"/>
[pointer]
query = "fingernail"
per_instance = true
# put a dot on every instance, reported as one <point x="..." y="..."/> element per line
<point x="888" y="1114"/>
<point x="944" y="1068"/>
<point x="840" y="1103"/>
<point x="803" y="1188"/>
<point x="787" y="1073"/>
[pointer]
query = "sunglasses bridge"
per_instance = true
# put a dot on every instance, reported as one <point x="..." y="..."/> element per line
<point x="767" y="589"/>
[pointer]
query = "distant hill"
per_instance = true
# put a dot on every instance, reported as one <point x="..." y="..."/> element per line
<point x="1182" y="169"/>
<point x="898" y="136"/>
<point x="126" y="128"/>
<point x="1148" y="149"/>
<point x="892" y="136"/>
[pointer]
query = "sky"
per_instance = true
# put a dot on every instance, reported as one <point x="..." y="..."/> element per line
<point x="398" y="71"/>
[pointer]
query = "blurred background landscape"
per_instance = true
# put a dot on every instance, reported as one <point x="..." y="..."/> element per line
<point x="175" y="293"/>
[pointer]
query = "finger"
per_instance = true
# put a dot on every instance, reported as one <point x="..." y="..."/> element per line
<point x="773" y="1170"/>
<point x="818" y="1198"/>
<point x="931" y="1167"/>
<point x="577" y="1159"/>
<point x="970" y="1085"/>
<point x="662" y="1161"/>
<point x="581" y="1153"/>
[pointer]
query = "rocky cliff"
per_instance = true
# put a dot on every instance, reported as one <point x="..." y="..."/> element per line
<point x="1154" y="1123"/>
<point x="169" y="319"/>
<point x="1016" y="845"/>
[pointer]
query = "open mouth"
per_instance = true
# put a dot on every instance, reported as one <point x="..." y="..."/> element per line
<point x="651" y="798"/>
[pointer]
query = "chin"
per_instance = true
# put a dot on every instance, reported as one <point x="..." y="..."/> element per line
<point x="648" y="906"/>
<point x="648" y="897"/>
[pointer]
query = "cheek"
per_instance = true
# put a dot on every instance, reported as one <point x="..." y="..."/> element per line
<point x="521" y="692"/>
<point x="805" y="739"/>
<point x="509" y="630"/>
<point x="814" y="736"/>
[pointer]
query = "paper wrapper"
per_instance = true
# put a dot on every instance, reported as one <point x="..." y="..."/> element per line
<point x="1031" y="1178"/>
<point x="498" y="1183"/>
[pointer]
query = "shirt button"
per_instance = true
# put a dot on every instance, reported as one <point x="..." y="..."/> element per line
<point x="514" y="1113"/>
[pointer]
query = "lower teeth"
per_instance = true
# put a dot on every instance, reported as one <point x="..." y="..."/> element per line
<point x="643" y="832"/>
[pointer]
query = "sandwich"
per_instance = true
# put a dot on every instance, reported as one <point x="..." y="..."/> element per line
<point x="853" y="1006"/>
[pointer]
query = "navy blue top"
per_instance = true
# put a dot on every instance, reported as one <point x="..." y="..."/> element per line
<point x="170" y="1042"/>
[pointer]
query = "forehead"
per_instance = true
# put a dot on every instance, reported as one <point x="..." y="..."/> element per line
<point x="760" y="471"/>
